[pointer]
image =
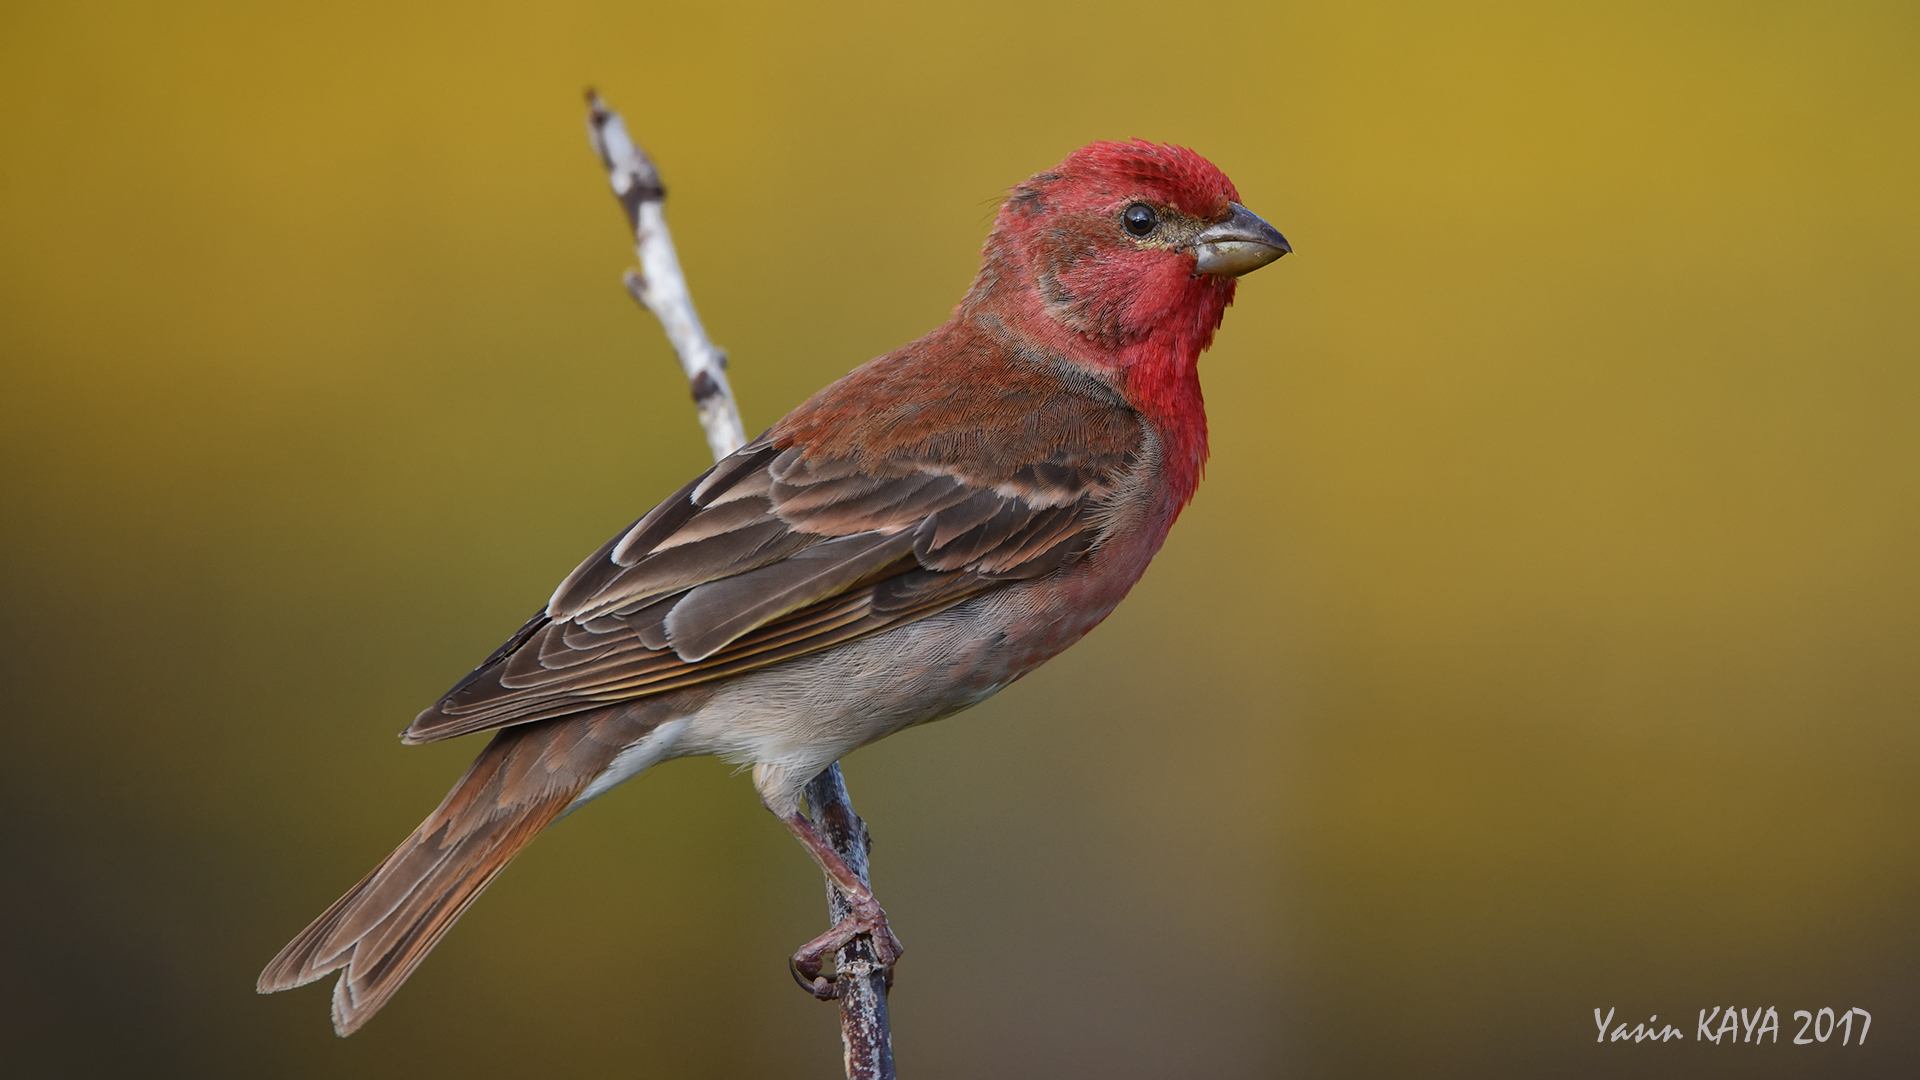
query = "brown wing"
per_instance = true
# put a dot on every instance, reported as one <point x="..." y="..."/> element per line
<point x="779" y="551"/>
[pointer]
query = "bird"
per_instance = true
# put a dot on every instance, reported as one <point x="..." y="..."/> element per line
<point x="910" y="540"/>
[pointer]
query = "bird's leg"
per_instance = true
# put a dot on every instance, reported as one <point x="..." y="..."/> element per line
<point x="866" y="916"/>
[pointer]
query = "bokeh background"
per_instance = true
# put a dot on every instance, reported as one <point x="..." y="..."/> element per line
<point x="1544" y="636"/>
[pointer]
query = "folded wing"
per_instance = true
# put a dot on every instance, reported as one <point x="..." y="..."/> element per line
<point x="779" y="551"/>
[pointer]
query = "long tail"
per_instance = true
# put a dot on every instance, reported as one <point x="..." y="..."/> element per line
<point x="381" y="930"/>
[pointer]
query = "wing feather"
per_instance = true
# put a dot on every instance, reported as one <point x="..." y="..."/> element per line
<point x="714" y="614"/>
<point x="788" y="547"/>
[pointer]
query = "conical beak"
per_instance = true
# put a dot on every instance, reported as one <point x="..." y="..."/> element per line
<point x="1237" y="245"/>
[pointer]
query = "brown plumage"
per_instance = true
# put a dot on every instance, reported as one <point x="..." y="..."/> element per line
<point x="384" y="926"/>
<point x="806" y="538"/>
<point x="909" y="541"/>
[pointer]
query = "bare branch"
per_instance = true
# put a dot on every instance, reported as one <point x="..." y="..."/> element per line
<point x="861" y="981"/>
<point x="659" y="285"/>
<point x="662" y="289"/>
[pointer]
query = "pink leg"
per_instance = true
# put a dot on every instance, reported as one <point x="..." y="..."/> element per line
<point x="867" y="917"/>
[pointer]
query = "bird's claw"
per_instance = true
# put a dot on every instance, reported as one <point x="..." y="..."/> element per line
<point x="872" y="923"/>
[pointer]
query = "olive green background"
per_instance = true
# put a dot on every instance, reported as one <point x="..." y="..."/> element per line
<point x="1544" y="636"/>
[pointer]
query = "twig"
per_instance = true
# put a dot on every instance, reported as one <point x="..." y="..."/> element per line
<point x="858" y="976"/>
<point x="661" y="288"/>
<point x="659" y="285"/>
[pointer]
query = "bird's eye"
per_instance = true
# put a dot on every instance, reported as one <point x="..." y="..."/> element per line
<point x="1140" y="219"/>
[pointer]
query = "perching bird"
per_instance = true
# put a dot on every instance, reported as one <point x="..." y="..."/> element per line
<point x="916" y="536"/>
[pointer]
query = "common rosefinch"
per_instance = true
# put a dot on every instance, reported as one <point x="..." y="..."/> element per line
<point x="913" y="538"/>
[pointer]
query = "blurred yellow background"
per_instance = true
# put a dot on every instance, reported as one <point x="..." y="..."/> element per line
<point x="1544" y="636"/>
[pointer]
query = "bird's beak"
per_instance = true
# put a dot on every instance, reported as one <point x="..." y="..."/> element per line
<point x="1237" y="245"/>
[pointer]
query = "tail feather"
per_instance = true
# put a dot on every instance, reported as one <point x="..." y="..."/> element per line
<point x="385" y="926"/>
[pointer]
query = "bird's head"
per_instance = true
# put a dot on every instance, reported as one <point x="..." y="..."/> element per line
<point x="1121" y="261"/>
<point x="1124" y="245"/>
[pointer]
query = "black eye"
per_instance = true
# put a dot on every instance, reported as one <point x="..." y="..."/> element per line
<point x="1140" y="219"/>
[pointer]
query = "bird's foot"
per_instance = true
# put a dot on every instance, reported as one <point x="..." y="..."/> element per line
<point x="866" y="920"/>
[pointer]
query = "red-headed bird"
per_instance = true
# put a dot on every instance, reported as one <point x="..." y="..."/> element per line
<point x="910" y="540"/>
